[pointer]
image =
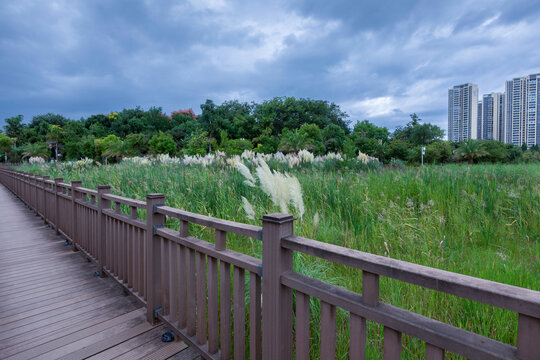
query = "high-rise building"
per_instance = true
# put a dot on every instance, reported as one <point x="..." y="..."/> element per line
<point x="522" y="120"/>
<point x="463" y="112"/>
<point x="480" y="123"/>
<point x="492" y="116"/>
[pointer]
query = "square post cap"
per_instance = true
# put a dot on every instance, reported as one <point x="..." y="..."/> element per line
<point x="278" y="218"/>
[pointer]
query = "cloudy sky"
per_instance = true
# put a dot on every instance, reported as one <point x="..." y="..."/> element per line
<point x="379" y="60"/>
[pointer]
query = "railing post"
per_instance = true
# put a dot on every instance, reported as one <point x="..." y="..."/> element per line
<point x="528" y="337"/>
<point x="57" y="205"/>
<point x="277" y="299"/>
<point x="45" y="178"/>
<point x="102" y="235"/>
<point x="153" y="256"/>
<point x="74" y="196"/>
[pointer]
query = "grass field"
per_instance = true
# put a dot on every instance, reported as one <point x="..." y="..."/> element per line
<point x="481" y="220"/>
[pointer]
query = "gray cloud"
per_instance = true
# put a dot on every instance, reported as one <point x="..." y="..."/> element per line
<point x="380" y="60"/>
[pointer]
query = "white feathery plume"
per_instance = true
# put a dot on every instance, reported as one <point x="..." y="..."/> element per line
<point x="243" y="169"/>
<point x="295" y="192"/>
<point x="248" y="208"/>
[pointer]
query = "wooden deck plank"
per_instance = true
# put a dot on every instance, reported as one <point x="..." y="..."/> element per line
<point x="131" y="317"/>
<point x="92" y="337"/>
<point x="40" y="339"/>
<point x="51" y="305"/>
<point x="77" y="311"/>
<point x="131" y="344"/>
<point x="109" y="342"/>
<point x="167" y="351"/>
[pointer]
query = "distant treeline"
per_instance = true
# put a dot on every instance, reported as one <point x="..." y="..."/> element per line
<point x="283" y="124"/>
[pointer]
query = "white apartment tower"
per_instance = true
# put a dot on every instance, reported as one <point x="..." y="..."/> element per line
<point x="463" y="112"/>
<point x="521" y="102"/>
<point x="493" y="116"/>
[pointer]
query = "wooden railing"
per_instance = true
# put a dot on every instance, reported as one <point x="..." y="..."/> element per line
<point x="186" y="282"/>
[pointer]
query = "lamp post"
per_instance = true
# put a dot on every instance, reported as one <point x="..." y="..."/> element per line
<point x="423" y="152"/>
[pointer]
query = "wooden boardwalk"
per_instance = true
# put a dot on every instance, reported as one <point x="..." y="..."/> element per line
<point x="53" y="307"/>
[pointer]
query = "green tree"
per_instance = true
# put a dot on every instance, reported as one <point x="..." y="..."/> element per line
<point x="333" y="137"/>
<point x="162" y="144"/>
<point x="366" y="129"/>
<point x="55" y="136"/>
<point x="438" y="152"/>
<point x="292" y="141"/>
<point x="199" y="144"/>
<point x="266" y="142"/>
<point x="136" y="145"/>
<point x="35" y="149"/>
<point x="418" y="134"/>
<point x="397" y="149"/>
<point x="470" y="150"/>
<point x="6" y="143"/>
<point x="14" y="127"/>
<point x="314" y="138"/>
<point x="108" y="142"/>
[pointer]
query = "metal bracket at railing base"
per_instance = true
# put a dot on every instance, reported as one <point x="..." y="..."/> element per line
<point x="154" y="208"/>
<point x="154" y="229"/>
<point x="157" y="311"/>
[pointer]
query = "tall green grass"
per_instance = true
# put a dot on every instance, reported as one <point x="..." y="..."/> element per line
<point x="481" y="220"/>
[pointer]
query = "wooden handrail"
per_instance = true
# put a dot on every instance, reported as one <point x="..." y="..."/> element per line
<point x="457" y="340"/>
<point x="125" y="200"/>
<point x="508" y="297"/>
<point x="218" y="224"/>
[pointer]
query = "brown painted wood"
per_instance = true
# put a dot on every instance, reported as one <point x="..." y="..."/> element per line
<point x="153" y="250"/>
<point x="219" y="224"/>
<point x="239" y="313"/>
<point x="434" y="352"/>
<point x="182" y="287"/>
<point x="225" y="309"/>
<point x="528" y="338"/>
<point x="277" y="299"/>
<point x="328" y="331"/>
<point x="255" y="326"/>
<point x="191" y="293"/>
<point x="302" y="326"/>
<point x="453" y="339"/>
<point x="391" y="344"/>
<point x="213" y="310"/>
<point x="201" y="298"/>
<point x="508" y="297"/>
<point x="246" y="262"/>
<point x="357" y="337"/>
<point x="173" y="281"/>
<point x="131" y="344"/>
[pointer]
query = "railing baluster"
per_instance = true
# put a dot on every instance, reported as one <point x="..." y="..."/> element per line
<point x="434" y="353"/>
<point x="255" y="338"/>
<point x="182" y="287"/>
<point x="191" y="293"/>
<point x="225" y="309"/>
<point x="357" y="337"/>
<point x="302" y="326"/>
<point x="201" y="298"/>
<point x="213" y="325"/>
<point x="57" y="181"/>
<point x="328" y="331"/>
<point x="239" y="313"/>
<point x="173" y="280"/>
<point x="103" y="255"/>
<point x="391" y="344"/>
<point x="528" y="338"/>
